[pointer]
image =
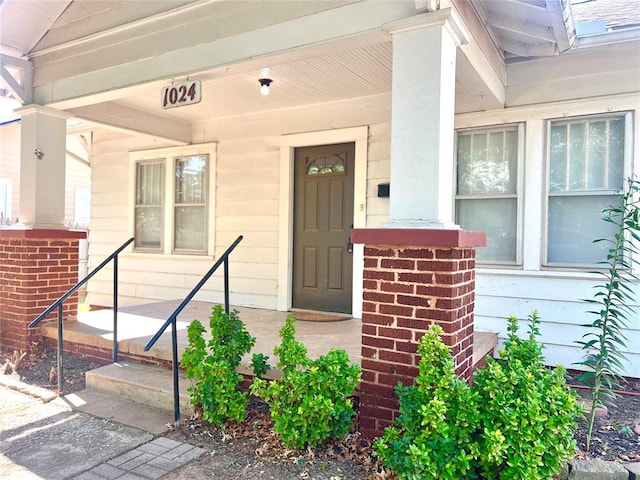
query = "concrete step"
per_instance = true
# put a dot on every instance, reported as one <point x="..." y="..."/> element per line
<point x="114" y="407"/>
<point x="143" y="384"/>
<point x="484" y="344"/>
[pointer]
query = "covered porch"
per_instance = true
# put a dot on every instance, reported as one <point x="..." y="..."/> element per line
<point x="91" y="333"/>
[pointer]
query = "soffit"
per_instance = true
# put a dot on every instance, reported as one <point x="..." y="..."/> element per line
<point x="519" y="29"/>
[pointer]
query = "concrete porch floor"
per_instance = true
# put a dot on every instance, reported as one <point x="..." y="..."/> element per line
<point x="137" y="324"/>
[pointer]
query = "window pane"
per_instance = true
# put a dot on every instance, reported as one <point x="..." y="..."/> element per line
<point x="189" y="228"/>
<point x="325" y="165"/>
<point x="190" y="179"/>
<point x="464" y="164"/>
<point x="149" y="183"/>
<point x="616" y="154"/>
<point x="558" y="158"/>
<point x="149" y="227"/>
<point x="576" y="156"/>
<point x="587" y="155"/>
<point x="574" y="223"/>
<point x="487" y="162"/>
<point x="190" y="203"/>
<point x="591" y="153"/>
<point x="498" y="219"/>
<point x="478" y="174"/>
<point x="511" y="159"/>
<point x="596" y="155"/>
<point x="149" y="204"/>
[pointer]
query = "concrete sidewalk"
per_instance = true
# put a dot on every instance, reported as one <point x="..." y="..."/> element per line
<point x="51" y="440"/>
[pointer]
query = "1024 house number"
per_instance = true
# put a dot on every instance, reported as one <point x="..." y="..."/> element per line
<point x="180" y="94"/>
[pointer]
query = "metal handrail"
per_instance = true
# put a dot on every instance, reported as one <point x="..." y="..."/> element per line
<point x="224" y="258"/>
<point x="58" y="304"/>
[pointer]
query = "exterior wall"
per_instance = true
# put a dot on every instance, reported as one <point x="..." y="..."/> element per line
<point x="247" y="202"/>
<point x="555" y="292"/>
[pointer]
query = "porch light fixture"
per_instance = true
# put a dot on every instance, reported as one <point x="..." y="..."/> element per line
<point x="264" y="85"/>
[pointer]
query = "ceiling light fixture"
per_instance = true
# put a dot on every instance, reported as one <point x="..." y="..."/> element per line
<point x="264" y="85"/>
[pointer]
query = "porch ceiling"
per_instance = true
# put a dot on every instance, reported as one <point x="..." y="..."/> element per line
<point x="518" y="29"/>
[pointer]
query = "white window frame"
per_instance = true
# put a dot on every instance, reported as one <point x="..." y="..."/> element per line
<point x="169" y="155"/>
<point x="627" y="171"/>
<point x="518" y="195"/>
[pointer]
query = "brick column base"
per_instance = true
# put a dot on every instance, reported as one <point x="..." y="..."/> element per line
<point x="37" y="268"/>
<point x="412" y="279"/>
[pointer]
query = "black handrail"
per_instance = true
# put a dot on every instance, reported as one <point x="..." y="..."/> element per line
<point x="58" y="304"/>
<point x="174" y="316"/>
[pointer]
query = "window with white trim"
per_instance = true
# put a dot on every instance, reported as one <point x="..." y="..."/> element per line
<point x="487" y="191"/>
<point x="586" y="172"/>
<point x="171" y="202"/>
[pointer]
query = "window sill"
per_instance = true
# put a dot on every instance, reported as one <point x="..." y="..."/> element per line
<point x="544" y="273"/>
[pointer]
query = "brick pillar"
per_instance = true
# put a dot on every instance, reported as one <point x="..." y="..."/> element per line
<point x="412" y="279"/>
<point x="36" y="268"/>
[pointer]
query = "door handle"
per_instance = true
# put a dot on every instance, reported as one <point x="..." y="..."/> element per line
<point x="350" y="243"/>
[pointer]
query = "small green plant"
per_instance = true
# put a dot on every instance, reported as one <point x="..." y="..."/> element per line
<point x="310" y="402"/>
<point x="527" y="412"/>
<point x="612" y="304"/>
<point x="515" y="422"/>
<point x="212" y="366"/>
<point x="438" y="418"/>
<point x="624" y="430"/>
<point x="260" y="364"/>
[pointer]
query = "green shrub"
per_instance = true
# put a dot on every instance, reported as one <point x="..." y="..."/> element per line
<point x="527" y="412"/>
<point x="437" y="420"/>
<point x="212" y="366"/>
<point x="310" y="402"/>
<point x="515" y="422"/>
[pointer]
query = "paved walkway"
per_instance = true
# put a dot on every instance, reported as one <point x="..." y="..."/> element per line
<point x="51" y="440"/>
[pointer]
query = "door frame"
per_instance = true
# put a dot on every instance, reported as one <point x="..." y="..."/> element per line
<point x="288" y="144"/>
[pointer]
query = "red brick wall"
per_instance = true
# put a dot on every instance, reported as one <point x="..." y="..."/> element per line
<point x="409" y="285"/>
<point x="36" y="268"/>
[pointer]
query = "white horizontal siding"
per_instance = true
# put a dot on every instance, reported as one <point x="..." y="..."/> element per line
<point x="558" y="300"/>
<point x="246" y="203"/>
<point x="378" y="171"/>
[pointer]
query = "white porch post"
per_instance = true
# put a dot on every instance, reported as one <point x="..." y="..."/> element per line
<point x="422" y="120"/>
<point x="42" y="180"/>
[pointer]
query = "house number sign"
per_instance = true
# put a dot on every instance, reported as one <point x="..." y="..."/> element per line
<point x="180" y="94"/>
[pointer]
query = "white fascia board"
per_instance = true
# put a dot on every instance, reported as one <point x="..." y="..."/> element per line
<point x="483" y="71"/>
<point x="319" y="29"/>
<point x="131" y="120"/>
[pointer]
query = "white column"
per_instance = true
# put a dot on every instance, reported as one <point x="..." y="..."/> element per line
<point x="422" y="129"/>
<point x="42" y="180"/>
